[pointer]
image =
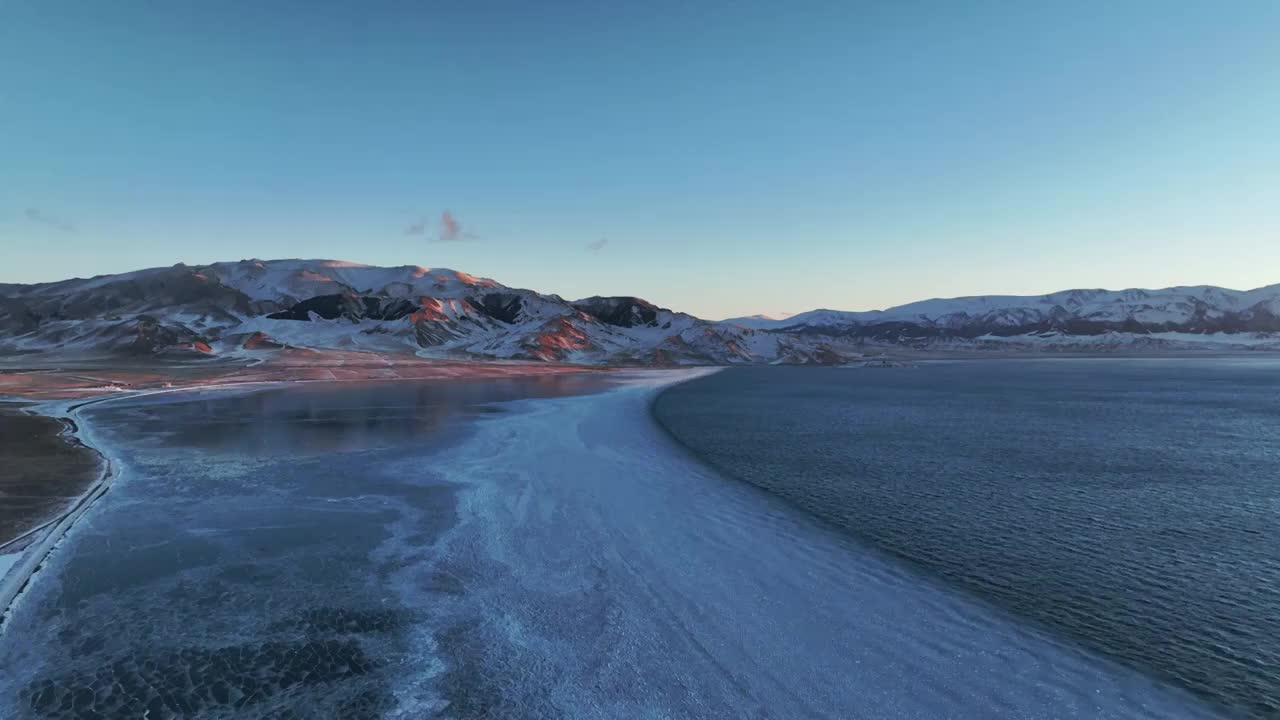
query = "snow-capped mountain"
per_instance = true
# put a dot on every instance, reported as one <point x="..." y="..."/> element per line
<point x="1177" y="317"/>
<point x="252" y="307"/>
<point x="759" y="321"/>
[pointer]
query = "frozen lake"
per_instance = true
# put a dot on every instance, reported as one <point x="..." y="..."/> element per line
<point x="1123" y="503"/>
<point x="520" y="548"/>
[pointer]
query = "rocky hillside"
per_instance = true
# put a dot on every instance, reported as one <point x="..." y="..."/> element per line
<point x="253" y="307"/>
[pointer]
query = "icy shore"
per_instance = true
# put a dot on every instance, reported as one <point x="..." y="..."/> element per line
<point x="597" y="571"/>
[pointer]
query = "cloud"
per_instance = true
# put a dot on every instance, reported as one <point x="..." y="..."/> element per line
<point x="448" y="229"/>
<point x="40" y="217"/>
<point x="596" y="246"/>
<point x="418" y="227"/>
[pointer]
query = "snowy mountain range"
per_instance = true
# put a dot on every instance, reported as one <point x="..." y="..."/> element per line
<point x="253" y="307"/>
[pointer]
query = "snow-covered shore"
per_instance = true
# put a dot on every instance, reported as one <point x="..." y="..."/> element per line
<point x="27" y="553"/>
<point x="602" y="572"/>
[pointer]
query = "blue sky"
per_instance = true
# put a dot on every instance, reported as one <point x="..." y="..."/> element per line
<point x="719" y="158"/>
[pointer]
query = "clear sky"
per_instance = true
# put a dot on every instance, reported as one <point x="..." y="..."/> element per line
<point x="721" y="158"/>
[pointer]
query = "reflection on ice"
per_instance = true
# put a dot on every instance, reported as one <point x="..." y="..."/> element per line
<point x="228" y="572"/>
<point x="325" y="417"/>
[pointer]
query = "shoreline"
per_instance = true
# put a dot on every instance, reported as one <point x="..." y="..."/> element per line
<point x="69" y="378"/>
<point x="47" y="454"/>
<point x="91" y="378"/>
<point x="34" y="545"/>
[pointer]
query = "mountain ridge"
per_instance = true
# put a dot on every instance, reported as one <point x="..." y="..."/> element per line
<point x="897" y="311"/>
<point x="249" y="307"/>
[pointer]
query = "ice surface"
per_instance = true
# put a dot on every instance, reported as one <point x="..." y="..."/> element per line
<point x="596" y="571"/>
<point x="7" y="562"/>
<point x="561" y="559"/>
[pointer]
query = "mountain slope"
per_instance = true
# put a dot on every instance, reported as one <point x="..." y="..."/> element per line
<point x="251" y="307"/>
<point x="1177" y="316"/>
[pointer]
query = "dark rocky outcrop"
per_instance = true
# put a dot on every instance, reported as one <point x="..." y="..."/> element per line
<point x="620" y="311"/>
<point x="506" y="307"/>
<point x="350" y="307"/>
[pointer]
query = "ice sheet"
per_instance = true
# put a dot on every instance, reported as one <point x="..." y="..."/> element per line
<point x="597" y="571"/>
<point x="7" y="562"/>
<point x="561" y="559"/>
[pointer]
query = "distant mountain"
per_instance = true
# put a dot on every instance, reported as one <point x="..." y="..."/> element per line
<point x="252" y="308"/>
<point x="1178" y="316"/>
<point x="754" y="321"/>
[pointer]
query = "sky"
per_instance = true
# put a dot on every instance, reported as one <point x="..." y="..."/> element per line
<point x="720" y="158"/>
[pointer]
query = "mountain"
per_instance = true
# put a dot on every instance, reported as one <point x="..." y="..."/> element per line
<point x="253" y="308"/>
<point x="760" y="321"/>
<point x="1197" y="315"/>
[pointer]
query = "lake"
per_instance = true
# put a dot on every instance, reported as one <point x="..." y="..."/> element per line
<point x="1130" y="505"/>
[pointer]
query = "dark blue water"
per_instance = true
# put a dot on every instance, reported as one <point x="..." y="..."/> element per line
<point x="1132" y="505"/>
